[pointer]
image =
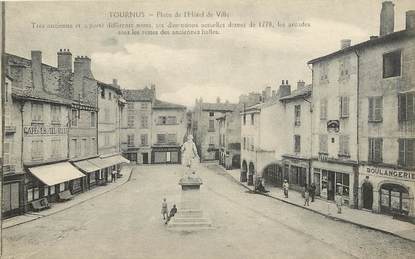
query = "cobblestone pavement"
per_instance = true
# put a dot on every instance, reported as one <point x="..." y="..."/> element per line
<point x="126" y="223"/>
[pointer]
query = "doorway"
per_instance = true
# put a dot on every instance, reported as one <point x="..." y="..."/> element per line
<point x="317" y="183"/>
<point x="367" y="191"/>
<point x="145" y="158"/>
<point x="330" y="186"/>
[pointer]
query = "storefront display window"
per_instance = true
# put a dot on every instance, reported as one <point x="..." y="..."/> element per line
<point x="394" y="199"/>
<point x="35" y="193"/>
<point x="30" y="194"/>
<point x="46" y="191"/>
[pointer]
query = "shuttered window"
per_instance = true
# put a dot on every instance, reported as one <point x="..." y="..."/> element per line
<point x="297" y="115"/>
<point x="375" y="109"/>
<point x="375" y="150"/>
<point x="297" y="143"/>
<point x="144" y="139"/>
<point x="171" y="138"/>
<point x="344" y="107"/>
<point x="37" y="112"/>
<point x="406" y="107"/>
<point x="144" y="122"/>
<point x="406" y="152"/>
<point x="344" y="145"/>
<point x="161" y="138"/>
<point x="323" y="139"/>
<point x="323" y="109"/>
<point x="392" y="64"/>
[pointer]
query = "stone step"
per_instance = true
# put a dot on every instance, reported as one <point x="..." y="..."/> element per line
<point x="189" y="213"/>
<point x="174" y="224"/>
<point x="189" y="219"/>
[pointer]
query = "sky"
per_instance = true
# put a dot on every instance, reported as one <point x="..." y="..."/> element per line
<point x="237" y="61"/>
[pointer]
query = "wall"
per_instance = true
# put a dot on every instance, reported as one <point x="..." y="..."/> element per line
<point x="179" y="128"/>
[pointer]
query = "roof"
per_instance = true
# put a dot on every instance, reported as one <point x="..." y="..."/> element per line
<point x="158" y="104"/>
<point x="111" y="86"/>
<point x="299" y="93"/>
<point x="369" y="43"/>
<point x="137" y="95"/>
<point x="38" y="95"/>
<point x="219" y="106"/>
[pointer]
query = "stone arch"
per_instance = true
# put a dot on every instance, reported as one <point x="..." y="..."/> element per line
<point x="273" y="174"/>
<point x="403" y="187"/>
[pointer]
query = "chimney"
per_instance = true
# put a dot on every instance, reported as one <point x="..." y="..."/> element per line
<point x="285" y="89"/>
<point x="218" y="99"/>
<point x="300" y="85"/>
<point x="387" y="18"/>
<point x="82" y="66"/>
<point x="410" y="20"/>
<point x="65" y="60"/>
<point x="37" y="69"/>
<point x="345" y="43"/>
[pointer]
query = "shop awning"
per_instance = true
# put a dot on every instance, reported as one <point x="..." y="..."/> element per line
<point x="118" y="159"/>
<point x="86" y="166"/>
<point x="56" y="173"/>
<point x="105" y="162"/>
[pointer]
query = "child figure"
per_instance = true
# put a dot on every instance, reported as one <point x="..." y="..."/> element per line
<point x="164" y="210"/>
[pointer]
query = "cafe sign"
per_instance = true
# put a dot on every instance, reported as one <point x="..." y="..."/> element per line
<point x="390" y="173"/>
<point x="44" y="130"/>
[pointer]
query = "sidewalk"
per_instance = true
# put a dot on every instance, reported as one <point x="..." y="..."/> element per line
<point x="366" y="219"/>
<point x="77" y="199"/>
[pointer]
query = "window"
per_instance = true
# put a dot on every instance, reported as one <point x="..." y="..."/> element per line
<point x="344" y="107"/>
<point x="56" y="148"/>
<point x="323" y="147"/>
<point x="324" y="72"/>
<point x="244" y="144"/>
<point x="211" y="140"/>
<point x="55" y="113"/>
<point x="144" y="122"/>
<point x="162" y="120"/>
<point x="252" y="119"/>
<point x="298" y="176"/>
<point x="144" y="106"/>
<point x="130" y="106"/>
<point x="323" y="109"/>
<point x="109" y="96"/>
<point x="171" y="138"/>
<point x="37" y="112"/>
<point x="74" y="121"/>
<point x="247" y="143"/>
<point x="171" y="120"/>
<point x="406" y="107"/>
<point x="73" y="148"/>
<point x="107" y="115"/>
<point x="244" y="119"/>
<point x="6" y="153"/>
<point x="297" y="143"/>
<point x="252" y="144"/>
<point x="375" y="109"/>
<point x="392" y="64"/>
<point x="93" y="119"/>
<point x="375" y="150"/>
<point x="406" y="152"/>
<point x="211" y="125"/>
<point x="344" y="66"/>
<point x="211" y="114"/>
<point x="78" y="148"/>
<point x="161" y="138"/>
<point x="344" y="145"/>
<point x="130" y="140"/>
<point x="144" y="139"/>
<point x="130" y="118"/>
<point x="37" y="149"/>
<point x="342" y="180"/>
<point x="103" y="93"/>
<point x="106" y="140"/>
<point x="297" y="114"/>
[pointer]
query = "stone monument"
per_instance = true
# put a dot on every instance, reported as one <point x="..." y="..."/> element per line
<point x="189" y="215"/>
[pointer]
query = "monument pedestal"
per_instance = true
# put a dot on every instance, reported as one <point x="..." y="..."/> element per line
<point x="189" y="215"/>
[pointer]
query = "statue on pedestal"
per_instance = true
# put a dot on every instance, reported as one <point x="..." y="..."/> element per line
<point x="189" y="155"/>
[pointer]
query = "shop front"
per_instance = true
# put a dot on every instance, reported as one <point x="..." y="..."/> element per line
<point x="387" y="190"/>
<point x="166" y="155"/>
<point x="12" y="195"/>
<point x="90" y="170"/>
<point x="332" y="179"/>
<point x="296" y="171"/>
<point x="47" y="181"/>
<point x="107" y="165"/>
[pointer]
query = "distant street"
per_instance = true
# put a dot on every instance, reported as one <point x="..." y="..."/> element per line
<point x="126" y="223"/>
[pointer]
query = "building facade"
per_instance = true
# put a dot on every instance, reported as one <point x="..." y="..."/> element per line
<point x="387" y="120"/>
<point x="229" y="127"/>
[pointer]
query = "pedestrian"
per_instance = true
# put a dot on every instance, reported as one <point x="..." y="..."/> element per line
<point x="306" y="196"/>
<point x="312" y="191"/>
<point x="339" y="199"/>
<point x="285" y="187"/>
<point x="113" y="176"/>
<point x="173" y="211"/>
<point x="164" y="210"/>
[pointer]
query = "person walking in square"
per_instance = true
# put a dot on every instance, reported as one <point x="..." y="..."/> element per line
<point x="173" y="211"/>
<point x="113" y="176"/>
<point x="306" y="196"/>
<point x="312" y="191"/>
<point x="285" y="187"/>
<point x="164" y="210"/>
